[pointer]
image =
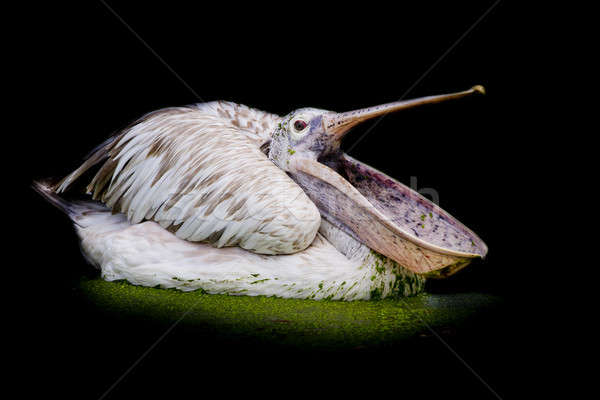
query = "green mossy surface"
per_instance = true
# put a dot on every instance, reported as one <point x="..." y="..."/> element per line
<point x="294" y="322"/>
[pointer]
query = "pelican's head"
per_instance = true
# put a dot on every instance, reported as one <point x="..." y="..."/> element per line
<point x="372" y="207"/>
<point x="301" y="134"/>
<point x="314" y="133"/>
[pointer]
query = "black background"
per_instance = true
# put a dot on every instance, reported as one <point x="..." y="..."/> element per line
<point x="87" y="75"/>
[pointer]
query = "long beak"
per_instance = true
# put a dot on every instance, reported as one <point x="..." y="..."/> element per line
<point x="338" y="124"/>
<point x="379" y="211"/>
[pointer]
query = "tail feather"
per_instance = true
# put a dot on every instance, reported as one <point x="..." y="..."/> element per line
<point x="46" y="190"/>
<point x="73" y="209"/>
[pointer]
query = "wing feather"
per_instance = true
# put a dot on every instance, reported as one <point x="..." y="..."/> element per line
<point x="199" y="171"/>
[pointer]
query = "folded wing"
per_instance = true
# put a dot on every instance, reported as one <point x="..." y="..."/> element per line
<point x="199" y="172"/>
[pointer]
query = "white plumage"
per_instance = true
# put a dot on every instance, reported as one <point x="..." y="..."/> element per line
<point x="197" y="173"/>
<point x="230" y="199"/>
<point x="146" y="254"/>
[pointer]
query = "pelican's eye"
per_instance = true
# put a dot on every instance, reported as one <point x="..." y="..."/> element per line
<point x="299" y="125"/>
<point x="299" y="128"/>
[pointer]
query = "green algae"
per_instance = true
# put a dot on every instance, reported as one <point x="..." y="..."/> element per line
<point x="323" y="323"/>
<point x="259" y="281"/>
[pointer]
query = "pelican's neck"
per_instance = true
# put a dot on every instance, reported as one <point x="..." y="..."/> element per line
<point x="377" y="267"/>
<point x="343" y="242"/>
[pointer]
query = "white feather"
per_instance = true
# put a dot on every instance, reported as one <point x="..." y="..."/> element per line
<point x="146" y="254"/>
<point x="199" y="171"/>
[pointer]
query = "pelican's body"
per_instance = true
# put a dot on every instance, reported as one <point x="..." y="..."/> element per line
<point x="147" y="254"/>
<point x="229" y="199"/>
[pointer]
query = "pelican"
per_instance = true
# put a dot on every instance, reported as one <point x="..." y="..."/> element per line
<point x="229" y="199"/>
